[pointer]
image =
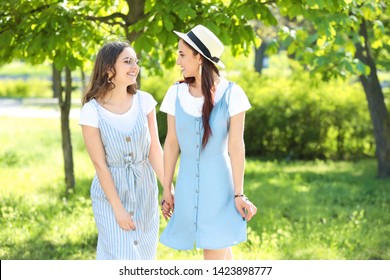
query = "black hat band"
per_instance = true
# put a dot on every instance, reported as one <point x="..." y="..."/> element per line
<point x="201" y="46"/>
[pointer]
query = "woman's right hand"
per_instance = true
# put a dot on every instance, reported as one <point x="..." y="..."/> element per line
<point x="124" y="219"/>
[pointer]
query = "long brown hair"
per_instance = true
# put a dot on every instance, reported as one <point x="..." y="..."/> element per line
<point x="208" y="91"/>
<point x="100" y="84"/>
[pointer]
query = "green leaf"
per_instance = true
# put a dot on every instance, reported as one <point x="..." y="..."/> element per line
<point x="273" y="47"/>
<point x="362" y="68"/>
<point x="168" y="24"/>
<point x="144" y="43"/>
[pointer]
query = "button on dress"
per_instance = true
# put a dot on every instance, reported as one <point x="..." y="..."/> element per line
<point x="136" y="184"/>
<point x="205" y="215"/>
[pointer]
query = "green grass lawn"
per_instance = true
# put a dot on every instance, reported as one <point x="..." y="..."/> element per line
<point x="306" y="210"/>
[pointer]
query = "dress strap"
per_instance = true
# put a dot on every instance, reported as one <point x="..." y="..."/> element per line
<point x="140" y="101"/>
<point x="177" y="90"/>
<point x="228" y="91"/>
<point x="96" y="104"/>
<point x="177" y="102"/>
<point x="225" y="99"/>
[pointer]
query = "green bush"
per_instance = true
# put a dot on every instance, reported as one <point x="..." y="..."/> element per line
<point x="25" y="88"/>
<point x="303" y="118"/>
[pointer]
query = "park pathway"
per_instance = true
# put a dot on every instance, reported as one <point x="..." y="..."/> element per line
<point x="35" y="108"/>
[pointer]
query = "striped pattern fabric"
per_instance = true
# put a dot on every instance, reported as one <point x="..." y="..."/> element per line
<point x="136" y="184"/>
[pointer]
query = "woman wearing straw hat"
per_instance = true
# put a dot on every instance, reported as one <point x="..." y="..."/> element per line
<point x="205" y="114"/>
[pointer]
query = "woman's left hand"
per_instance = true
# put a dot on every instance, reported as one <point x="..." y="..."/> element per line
<point x="168" y="203"/>
<point x="246" y="208"/>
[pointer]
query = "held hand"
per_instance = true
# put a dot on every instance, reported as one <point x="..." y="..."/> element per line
<point x="246" y="208"/>
<point x="124" y="220"/>
<point x="167" y="204"/>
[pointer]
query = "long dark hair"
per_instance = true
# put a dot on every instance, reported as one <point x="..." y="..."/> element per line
<point x="208" y="91"/>
<point x="99" y="83"/>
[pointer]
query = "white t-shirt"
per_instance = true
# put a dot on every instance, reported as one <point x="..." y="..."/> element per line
<point x="193" y="105"/>
<point x="123" y="122"/>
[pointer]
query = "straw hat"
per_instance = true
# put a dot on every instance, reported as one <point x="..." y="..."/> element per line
<point x="205" y="42"/>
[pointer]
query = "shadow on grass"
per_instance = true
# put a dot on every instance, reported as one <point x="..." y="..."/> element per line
<point x="36" y="248"/>
<point x="82" y="188"/>
<point x="51" y="228"/>
<point x="320" y="211"/>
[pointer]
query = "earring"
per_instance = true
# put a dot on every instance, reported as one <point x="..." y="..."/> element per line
<point x="109" y="80"/>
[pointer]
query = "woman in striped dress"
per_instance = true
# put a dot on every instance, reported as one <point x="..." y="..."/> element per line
<point x="120" y="133"/>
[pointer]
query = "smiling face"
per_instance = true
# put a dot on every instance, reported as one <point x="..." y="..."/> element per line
<point x="126" y="68"/>
<point x="189" y="62"/>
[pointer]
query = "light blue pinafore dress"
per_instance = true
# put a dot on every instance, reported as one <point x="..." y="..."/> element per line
<point x="135" y="181"/>
<point x="205" y="215"/>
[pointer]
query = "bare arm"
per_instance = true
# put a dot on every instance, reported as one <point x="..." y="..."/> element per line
<point x="156" y="152"/>
<point x="171" y="154"/>
<point x="237" y="159"/>
<point x="237" y="151"/>
<point x="95" y="150"/>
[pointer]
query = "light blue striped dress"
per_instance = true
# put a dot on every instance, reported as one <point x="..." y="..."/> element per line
<point x="127" y="158"/>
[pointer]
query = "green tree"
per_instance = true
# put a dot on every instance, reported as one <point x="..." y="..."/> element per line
<point x="340" y="38"/>
<point x="39" y="31"/>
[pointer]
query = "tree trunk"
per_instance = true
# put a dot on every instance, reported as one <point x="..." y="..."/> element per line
<point x="65" y="104"/>
<point x="56" y="82"/>
<point x="260" y="57"/>
<point x="135" y="14"/>
<point x="83" y="81"/>
<point x="376" y="104"/>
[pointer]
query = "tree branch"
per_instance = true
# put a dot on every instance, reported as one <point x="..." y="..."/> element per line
<point x="110" y="19"/>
